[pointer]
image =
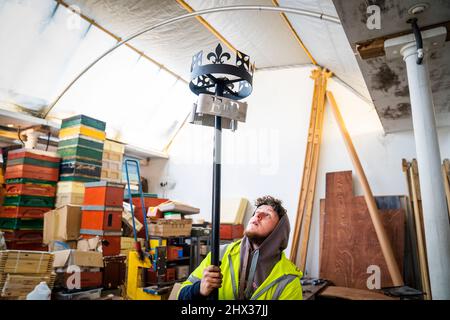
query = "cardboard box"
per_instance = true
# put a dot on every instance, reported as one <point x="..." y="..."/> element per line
<point x="181" y="272"/>
<point x="65" y="258"/>
<point x="62" y="224"/>
<point x="170" y="228"/>
<point x="127" y="218"/>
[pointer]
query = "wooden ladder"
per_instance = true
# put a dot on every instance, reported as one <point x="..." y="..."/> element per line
<point x="308" y="184"/>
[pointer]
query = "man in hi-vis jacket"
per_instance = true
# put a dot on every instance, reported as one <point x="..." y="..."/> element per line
<point x="253" y="268"/>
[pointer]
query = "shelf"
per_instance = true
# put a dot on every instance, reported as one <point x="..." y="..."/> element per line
<point x="179" y="259"/>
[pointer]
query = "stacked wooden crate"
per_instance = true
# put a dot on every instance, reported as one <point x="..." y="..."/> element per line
<point x="102" y="215"/>
<point x="31" y="177"/>
<point x="81" y="140"/>
<point x="112" y="161"/>
<point x="22" y="271"/>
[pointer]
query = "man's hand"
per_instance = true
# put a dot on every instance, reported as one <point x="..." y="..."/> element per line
<point x="212" y="279"/>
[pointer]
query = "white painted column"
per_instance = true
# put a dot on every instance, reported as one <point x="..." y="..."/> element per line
<point x="435" y="216"/>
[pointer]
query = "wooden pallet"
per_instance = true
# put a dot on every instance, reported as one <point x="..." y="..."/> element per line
<point x="25" y="262"/>
<point x="18" y="286"/>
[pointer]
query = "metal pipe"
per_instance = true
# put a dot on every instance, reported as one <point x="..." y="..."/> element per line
<point x="436" y="226"/>
<point x="418" y="37"/>
<point x="217" y="168"/>
<point x="186" y="16"/>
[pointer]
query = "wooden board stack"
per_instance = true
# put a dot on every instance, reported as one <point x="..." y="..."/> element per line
<point x="22" y="271"/>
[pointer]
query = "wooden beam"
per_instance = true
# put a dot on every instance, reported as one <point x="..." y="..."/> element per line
<point x="418" y="219"/>
<point x="296" y="36"/>
<point x="119" y="39"/>
<point x="208" y="26"/>
<point x="325" y="75"/>
<point x="446" y="177"/>
<point x="353" y="294"/>
<point x="306" y="172"/>
<point x="385" y="244"/>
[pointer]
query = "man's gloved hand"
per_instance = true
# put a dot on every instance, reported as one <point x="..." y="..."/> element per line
<point x="212" y="279"/>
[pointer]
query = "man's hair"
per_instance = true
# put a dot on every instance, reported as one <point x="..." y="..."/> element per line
<point x="276" y="204"/>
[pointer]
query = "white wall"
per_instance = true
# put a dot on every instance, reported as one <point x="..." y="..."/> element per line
<point x="266" y="154"/>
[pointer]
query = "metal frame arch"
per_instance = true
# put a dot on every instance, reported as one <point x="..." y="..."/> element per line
<point x="296" y="11"/>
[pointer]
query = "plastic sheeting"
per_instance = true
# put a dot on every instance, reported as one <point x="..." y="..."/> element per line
<point x="47" y="46"/>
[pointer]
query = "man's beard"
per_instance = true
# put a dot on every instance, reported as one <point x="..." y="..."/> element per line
<point x="254" y="238"/>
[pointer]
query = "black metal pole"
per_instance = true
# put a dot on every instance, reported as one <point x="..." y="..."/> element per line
<point x="216" y="189"/>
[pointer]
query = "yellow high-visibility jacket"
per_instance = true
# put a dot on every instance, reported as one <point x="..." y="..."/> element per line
<point x="283" y="282"/>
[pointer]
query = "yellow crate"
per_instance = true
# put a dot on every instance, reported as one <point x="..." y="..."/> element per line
<point x="112" y="165"/>
<point x="63" y="199"/>
<point x="111" y="175"/>
<point x="70" y="187"/>
<point x="112" y="156"/>
<point x="113" y="146"/>
<point x="82" y="130"/>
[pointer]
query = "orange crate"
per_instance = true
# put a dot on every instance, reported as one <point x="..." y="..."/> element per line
<point x="103" y="193"/>
<point x="30" y="189"/>
<point x="231" y="231"/>
<point x="33" y="154"/>
<point x="32" y="172"/>
<point x="173" y="253"/>
<point x="24" y="212"/>
<point x="106" y="219"/>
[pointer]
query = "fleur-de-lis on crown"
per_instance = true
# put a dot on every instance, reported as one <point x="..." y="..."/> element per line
<point x="218" y="57"/>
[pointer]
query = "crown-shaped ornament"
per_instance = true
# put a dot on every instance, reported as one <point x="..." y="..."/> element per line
<point x="235" y="79"/>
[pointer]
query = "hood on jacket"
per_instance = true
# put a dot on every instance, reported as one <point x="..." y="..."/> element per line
<point x="269" y="253"/>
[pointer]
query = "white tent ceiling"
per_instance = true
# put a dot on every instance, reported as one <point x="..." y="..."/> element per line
<point x="47" y="46"/>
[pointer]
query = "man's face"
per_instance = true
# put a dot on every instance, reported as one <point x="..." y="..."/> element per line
<point x="262" y="223"/>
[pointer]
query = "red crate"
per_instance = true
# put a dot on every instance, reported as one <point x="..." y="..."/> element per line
<point x="231" y="231"/>
<point x="87" y="279"/>
<point x="23" y="236"/>
<point x="103" y="193"/>
<point x="24" y="212"/>
<point x="173" y="252"/>
<point x="104" y="218"/>
<point x="26" y="245"/>
<point x="170" y="274"/>
<point x="148" y="202"/>
<point x="21" y="153"/>
<point x="110" y="245"/>
<point x="114" y="272"/>
<point x="30" y="189"/>
<point x="32" y="172"/>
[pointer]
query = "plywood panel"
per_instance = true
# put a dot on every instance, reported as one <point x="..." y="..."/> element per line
<point x="350" y="244"/>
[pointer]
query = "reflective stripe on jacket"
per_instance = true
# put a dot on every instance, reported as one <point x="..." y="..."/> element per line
<point x="283" y="282"/>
